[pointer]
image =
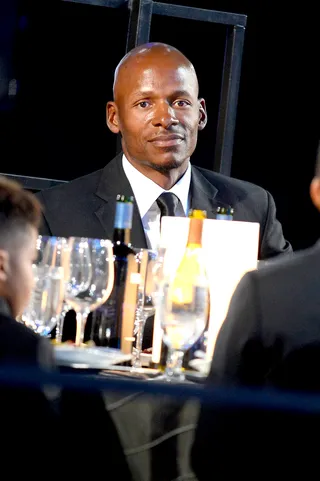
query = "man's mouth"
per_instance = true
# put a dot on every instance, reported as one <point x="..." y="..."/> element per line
<point x="167" y="140"/>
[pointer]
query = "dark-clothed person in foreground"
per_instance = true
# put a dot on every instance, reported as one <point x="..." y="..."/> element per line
<point x="270" y="339"/>
<point x="29" y="416"/>
<point x="41" y="426"/>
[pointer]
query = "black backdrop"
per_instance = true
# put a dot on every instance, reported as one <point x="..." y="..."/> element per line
<point x="64" y="54"/>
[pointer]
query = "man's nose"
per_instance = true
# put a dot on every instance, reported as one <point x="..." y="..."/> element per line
<point x="165" y="117"/>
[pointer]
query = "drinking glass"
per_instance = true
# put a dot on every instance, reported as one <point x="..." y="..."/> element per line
<point x="43" y="311"/>
<point x="182" y="321"/>
<point x="145" y="259"/>
<point x="45" y="304"/>
<point x="91" y="278"/>
<point x="56" y="252"/>
<point x="41" y="243"/>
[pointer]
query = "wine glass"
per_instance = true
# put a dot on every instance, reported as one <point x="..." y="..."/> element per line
<point x="91" y="278"/>
<point x="56" y="252"/>
<point x="43" y="311"/>
<point x="145" y="259"/>
<point x="45" y="305"/>
<point x="41" y="243"/>
<point x="183" y="319"/>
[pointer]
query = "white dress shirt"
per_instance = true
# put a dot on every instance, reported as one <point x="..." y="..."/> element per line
<point x="146" y="192"/>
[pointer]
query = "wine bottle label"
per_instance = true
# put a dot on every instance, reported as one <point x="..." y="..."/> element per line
<point x="225" y="213"/>
<point x="135" y="278"/>
<point x="224" y="217"/>
<point x="123" y="217"/>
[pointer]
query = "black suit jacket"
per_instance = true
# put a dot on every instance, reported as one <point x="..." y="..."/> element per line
<point x="29" y="416"/>
<point x="20" y="345"/>
<point x="271" y="340"/>
<point x="35" y="424"/>
<point x="86" y="206"/>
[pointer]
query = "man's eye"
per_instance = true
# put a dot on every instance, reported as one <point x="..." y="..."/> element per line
<point x="143" y="104"/>
<point x="182" y="103"/>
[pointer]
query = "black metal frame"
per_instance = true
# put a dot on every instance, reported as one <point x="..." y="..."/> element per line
<point x="34" y="183"/>
<point x="141" y="12"/>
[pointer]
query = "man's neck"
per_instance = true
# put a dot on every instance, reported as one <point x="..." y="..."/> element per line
<point x="166" y="180"/>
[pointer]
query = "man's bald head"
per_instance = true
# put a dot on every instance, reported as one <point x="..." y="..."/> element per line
<point x="157" y="111"/>
<point x="149" y="54"/>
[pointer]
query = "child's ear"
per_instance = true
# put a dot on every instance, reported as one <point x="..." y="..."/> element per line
<point x="315" y="192"/>
<point x="4" y="265"/>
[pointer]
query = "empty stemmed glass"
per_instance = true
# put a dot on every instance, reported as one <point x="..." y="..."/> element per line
<point x="183" y="320"/>
<point x="145" y="259"/>
<point x="56" y="252"/>
<point x="43" y="310"/>
<point x="91" y="278"/>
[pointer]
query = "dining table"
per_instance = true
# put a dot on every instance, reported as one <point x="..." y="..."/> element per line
<point x="155" y="431"/>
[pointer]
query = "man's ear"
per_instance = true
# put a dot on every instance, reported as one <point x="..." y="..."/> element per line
<point x="112" y="117"/>
<point x="4" y="265"/>
<point x="203" y="117"/>
<point x="315" y="192"/>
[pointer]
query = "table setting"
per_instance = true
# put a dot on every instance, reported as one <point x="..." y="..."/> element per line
<point x="78" y="274"/>
<point x="184" y="291"/>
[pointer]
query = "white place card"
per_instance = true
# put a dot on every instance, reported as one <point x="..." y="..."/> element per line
<point x="231" y="249"/>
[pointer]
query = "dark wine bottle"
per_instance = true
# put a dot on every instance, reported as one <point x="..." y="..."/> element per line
<point x="107" y="319"/>
<point x="224" y="213"/>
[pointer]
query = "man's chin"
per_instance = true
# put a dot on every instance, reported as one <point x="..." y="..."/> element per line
<point x="166" y="166"/>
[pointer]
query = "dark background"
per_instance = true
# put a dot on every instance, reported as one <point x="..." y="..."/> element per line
<point x="63" y="56"/>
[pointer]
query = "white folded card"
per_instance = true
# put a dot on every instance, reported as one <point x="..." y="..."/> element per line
<point x="231" y="249"/>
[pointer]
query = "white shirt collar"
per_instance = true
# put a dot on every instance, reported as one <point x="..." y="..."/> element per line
<point x="146" y="191"/>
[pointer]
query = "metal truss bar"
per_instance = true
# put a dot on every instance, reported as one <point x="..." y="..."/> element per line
<point x="100" y="3"/>
<point x="138" y="31"/>
<point x="199" y="14"/>
<point x="139" y="23"/>
<point x="229" y="100"/>
<point x="141" y="12"/>
<point x="34" y="183"/>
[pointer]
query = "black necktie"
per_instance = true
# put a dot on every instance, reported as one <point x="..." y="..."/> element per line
<point x="168" y="203"/>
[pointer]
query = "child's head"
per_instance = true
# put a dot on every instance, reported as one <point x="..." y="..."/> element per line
<point x="20" y="215"/>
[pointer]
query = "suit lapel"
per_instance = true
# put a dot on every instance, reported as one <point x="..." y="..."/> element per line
<point x="113" y="181"/>
<point x="204" y="195"/>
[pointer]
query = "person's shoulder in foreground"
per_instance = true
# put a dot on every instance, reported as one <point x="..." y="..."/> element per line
<point x="273" y="306"/>
<point x="270" y="339"/>
<point x="20" y="345"/>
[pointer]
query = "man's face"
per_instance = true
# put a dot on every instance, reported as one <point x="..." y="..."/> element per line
<point x="157" y="112"/>
<point x="20" y="278"/>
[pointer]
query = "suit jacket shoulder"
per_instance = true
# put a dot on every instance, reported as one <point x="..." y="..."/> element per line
<point x="20" y="344"/>
<point x="65" y="203"/>
<point x="85" y="207"/>
<point x="251" y="203"/>
<point x="235" y="190"/>
<point x="69" y="209"/>
<point x="271" y="339"/>
<point x="272" y="317"/>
